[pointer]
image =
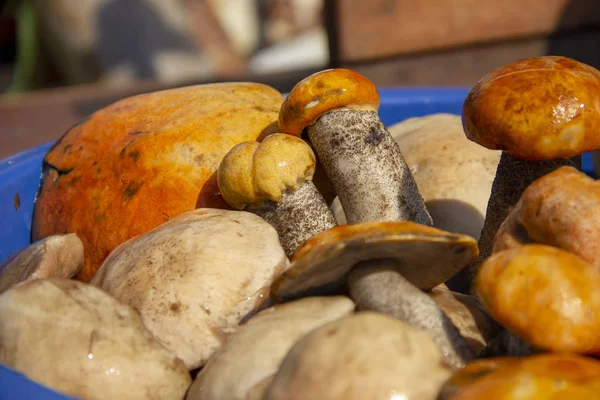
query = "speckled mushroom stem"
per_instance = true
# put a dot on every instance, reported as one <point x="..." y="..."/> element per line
<point x="377" y="286"/>
<point x="366" y="167"/>
<point x="513" y="176"/>
<point x="298" y="216"/>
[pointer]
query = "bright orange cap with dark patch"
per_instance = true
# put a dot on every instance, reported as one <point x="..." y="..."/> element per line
<point x="143" y="160"/>
<point x="322" y="92"/>
<point x="540" y="108"/>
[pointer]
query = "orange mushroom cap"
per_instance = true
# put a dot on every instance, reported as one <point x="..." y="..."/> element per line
<point x="539" y="108"/>
<point x="322" y="92"/>
<point x="252" y="172"/>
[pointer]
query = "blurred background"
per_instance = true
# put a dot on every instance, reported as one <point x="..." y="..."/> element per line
<point x="61" y="60"/>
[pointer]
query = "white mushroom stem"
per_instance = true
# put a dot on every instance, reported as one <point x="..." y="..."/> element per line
<point x="298" y="216"/>
<point x="513" y="176"/>
<point x="377" y="286"/>
<point x="366" y="167"/>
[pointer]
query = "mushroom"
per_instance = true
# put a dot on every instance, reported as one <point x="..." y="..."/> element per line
<point x="57" y="256"/>
<point x="542" y="113"/>
<point x="560" y="209"/>
<point x="453" y="174"/>
<point x="472" y="372"/>
<point x="546" y="295"/>
<point x="380" y="288"/>
<point x="543" y="376"/>
<point x="143" y="160"/>
<point x="272" y="179"/>
<point x="338" y="109"/>
<point x="195" y="278"/>
<point x="254" y="352"/>
<point x="425" y="256"/>
<point x="78" y="340"/>
<point x="364" y="356"/>
<point x="468" y="315"/>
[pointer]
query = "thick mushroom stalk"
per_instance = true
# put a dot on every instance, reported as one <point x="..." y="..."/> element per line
<point x="364" y="163"/>
<point x="273" y="179"/>
<point x="378" y="286"/>
<point x="543" y="113"/>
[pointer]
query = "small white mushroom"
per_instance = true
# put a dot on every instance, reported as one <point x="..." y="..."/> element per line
<point x="56" y="256"/>
<point x="76" y="339"/>
<point x="196" y="277"/>
<point x="254" y="352"/>
<point x="364" y="356"/>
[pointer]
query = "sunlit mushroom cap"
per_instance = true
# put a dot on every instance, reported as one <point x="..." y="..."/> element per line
<point x="539" y="108"/>
<point x="560" y="209"/>
<point x="322" y="92"/>
<point x="546" y="295"/>
<point x="426" y="256"/>
<point x="543" y="376"/>
<point x="253" y="172"/>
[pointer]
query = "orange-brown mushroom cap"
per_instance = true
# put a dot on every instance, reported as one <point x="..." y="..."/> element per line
<point x="543" y="376"/>
<point x="322" y="92"/>
<point x="539" y="108"/>
<point x="547" y="296"/>
<point x="252" y="172"/>
<point x="426" y="256"/>
<point x="560" y="209"/>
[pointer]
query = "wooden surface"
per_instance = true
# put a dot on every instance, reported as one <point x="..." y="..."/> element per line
<point x="384" y="28"/>
<point x="35" y="118"/>
<point x="466" y="65"/>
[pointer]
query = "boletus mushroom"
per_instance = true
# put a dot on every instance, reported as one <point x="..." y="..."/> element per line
<point x="256" y="349"/>
<point x="453" y="174"/>
<point x="381" y="288"/>
<point x="543" y="376"/>
<point x="273" y="179"/>
<point x="472" y="372"/>
<point x="143" y="160"/>
<point x="543" y="113"/>
<point x="546" y="295"/>
<point x="338" y="110"/>
<point x="195" y="278"/>
<point x="560" y="209"/>
<point x="56" y="256"/>
<point x="363" y="356"/>
<point x="425" y="256"/>
<point x="80" y="341"/>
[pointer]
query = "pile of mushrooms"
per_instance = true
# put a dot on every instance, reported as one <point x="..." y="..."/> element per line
<point x="458" y="260"/>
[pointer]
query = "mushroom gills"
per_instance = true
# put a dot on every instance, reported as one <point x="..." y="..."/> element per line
<point x="366" y="167"/>
<point x="377" y="286"/>
<point x="298" y="216"/>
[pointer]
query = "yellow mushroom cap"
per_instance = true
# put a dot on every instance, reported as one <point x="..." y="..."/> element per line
<point x="322" y="92"/>
<point x="252" y="172"/>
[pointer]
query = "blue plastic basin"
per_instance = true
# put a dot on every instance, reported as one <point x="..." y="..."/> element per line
<point x="20" y="175"/>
